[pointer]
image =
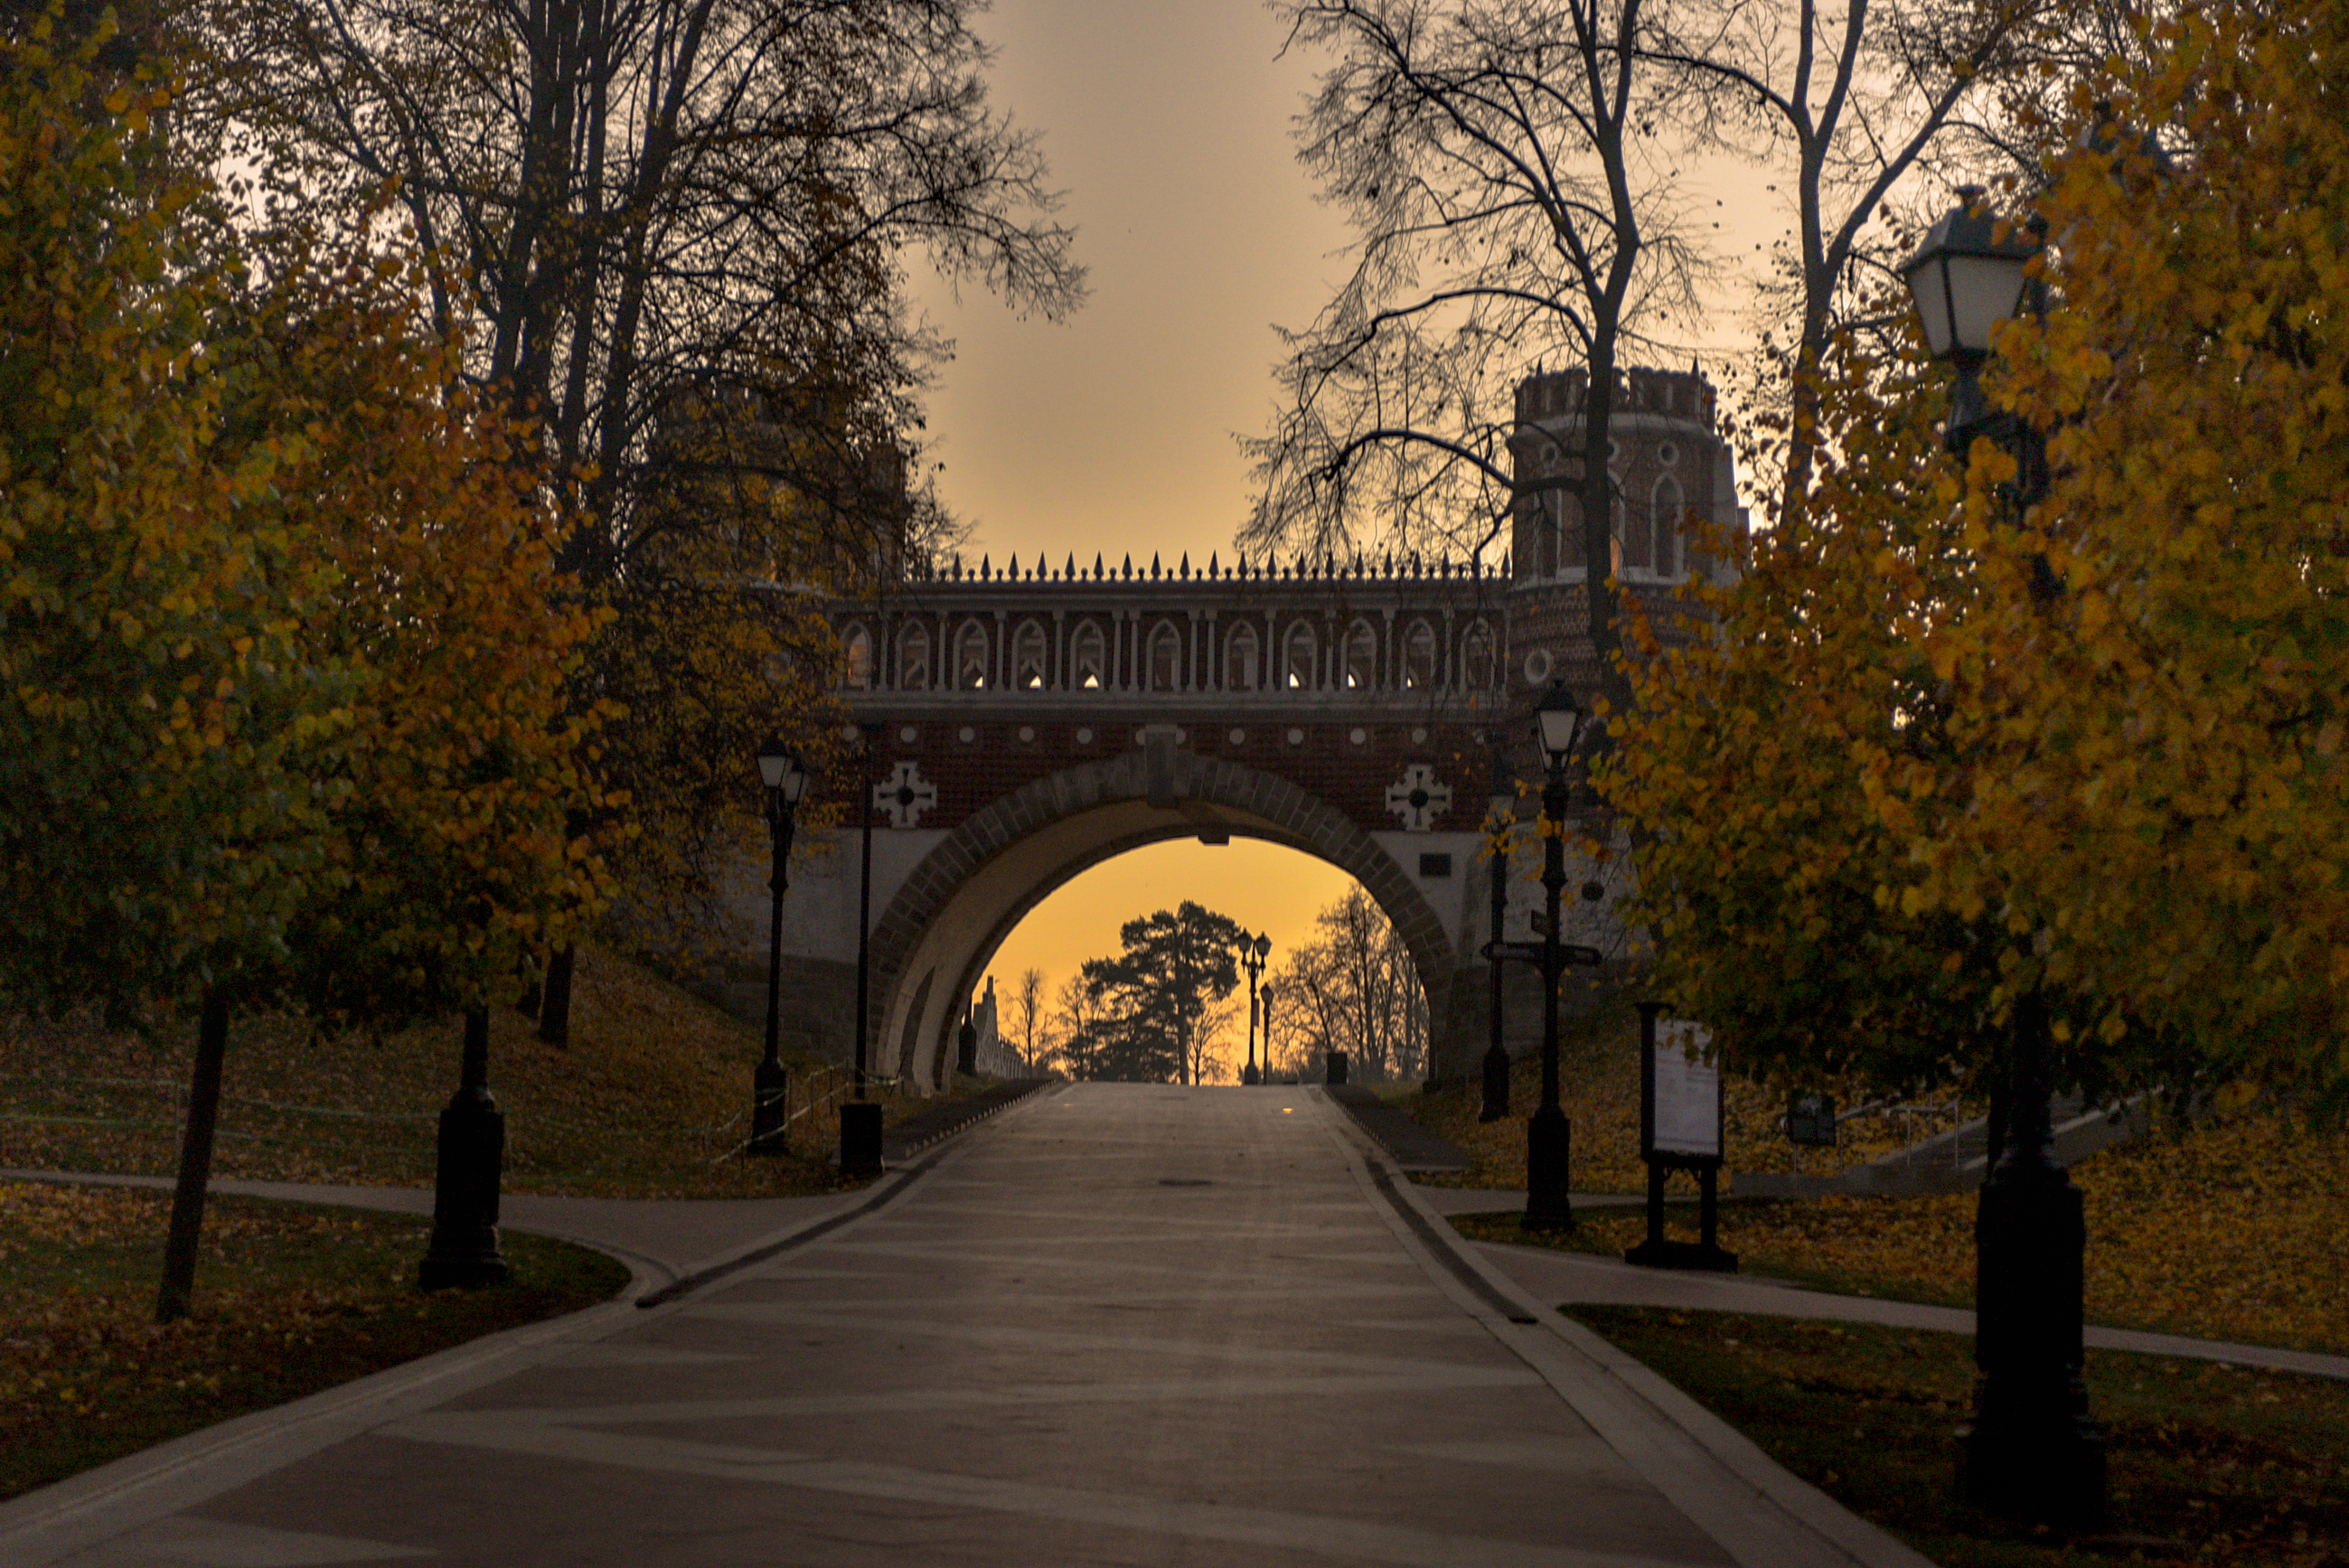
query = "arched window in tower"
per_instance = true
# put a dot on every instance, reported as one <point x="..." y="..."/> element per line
<point x="1664" y="508"/>
<point x="1301" y="668"/>
<point x="1240" y="658"/>
<point x="1030" y="663"/>
<point x="970" y="657"/>
<point x="1631" y="541"/>
<point x="1165" y="658"/>
<point x="1419" y="656"/>
<point x="1089" y="658"/>
<point x="856" y="658"/>
<point x="914" y="659"/>
<point x="1478" y="659"/>
<point x="1361" y="657"/>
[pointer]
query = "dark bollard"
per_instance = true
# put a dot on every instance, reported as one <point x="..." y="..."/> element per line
<point x="463" y="1254"/>
<point x="1549" y="1165"/>
<point x="1337" y="1068"/>
<point x="860" y="1138"/>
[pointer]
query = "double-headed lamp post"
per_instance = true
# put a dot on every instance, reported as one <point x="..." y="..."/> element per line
<point x="1253" y="951"/>
<point x="2032" y="1451"/>
<point x="785" y="778"/>
<point x="1549" y="1137"/>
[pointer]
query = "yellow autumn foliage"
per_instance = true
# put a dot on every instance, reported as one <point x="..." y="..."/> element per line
<point x="2153" y="793"/>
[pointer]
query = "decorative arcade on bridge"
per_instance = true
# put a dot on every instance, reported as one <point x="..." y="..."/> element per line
<point x="1028" y="721"/>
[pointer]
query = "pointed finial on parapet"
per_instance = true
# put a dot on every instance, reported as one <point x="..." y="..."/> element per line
<point x="1153" y="566"/>
<point x="1212" y="570"/>
<point x="1128" y="567"/>
<point x="1183" y="571"/>
<point x="1070" y="572"/>
<point x="1505" y="563"/>
<point x="982" y="569"/>
<point x="957" y="566"/>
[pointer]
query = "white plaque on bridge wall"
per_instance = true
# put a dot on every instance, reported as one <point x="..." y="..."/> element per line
<point x="1682" y="1096"/>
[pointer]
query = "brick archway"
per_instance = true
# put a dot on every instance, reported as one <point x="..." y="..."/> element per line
<point x="934" y="939"/>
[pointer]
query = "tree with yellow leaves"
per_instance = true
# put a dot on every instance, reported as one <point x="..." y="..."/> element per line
<point x="281" y="659"/>
<point x="2155" y="803"/>
<point x="1904" y="790"/>
<point x="1761" y="855"/>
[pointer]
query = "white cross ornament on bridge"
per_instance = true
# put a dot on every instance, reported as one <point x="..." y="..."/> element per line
<point x="906" y="795"/>
<point x="1418" y="798"/>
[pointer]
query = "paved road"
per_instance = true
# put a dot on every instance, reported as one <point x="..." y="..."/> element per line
<point x="1118" y="1326"/>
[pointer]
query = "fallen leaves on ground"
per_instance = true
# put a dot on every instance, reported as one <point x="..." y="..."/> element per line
<point x="2225" y="1229"/>
<point x="290" y="1299"/>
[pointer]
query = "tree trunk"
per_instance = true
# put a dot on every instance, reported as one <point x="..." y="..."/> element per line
<point x="555" y="999"/>
<point x="195" y="1163"/>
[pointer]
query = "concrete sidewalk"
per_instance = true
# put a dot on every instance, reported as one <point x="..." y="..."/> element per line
<point x="1566" y="1278"/>
<point x="1116" y="1324"/>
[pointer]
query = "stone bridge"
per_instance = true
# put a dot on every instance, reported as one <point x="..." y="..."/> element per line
<point x="1031" y="720"/>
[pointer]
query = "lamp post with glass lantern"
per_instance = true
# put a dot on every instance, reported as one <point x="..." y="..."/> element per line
<point x="1548" y="1135"/>
<point x="2032" y="1451"/>
<point x="1253" y="950"/>
<point x="785" y="778"/>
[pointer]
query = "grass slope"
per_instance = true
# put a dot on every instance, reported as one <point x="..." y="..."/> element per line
<point x="649" y="1100"/>
<point x="1598" y="1086"/>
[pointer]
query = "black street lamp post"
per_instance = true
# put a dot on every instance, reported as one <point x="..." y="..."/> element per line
<point x="1548" y="1134"/>
<point x="785" y="778"/>
<point x="1253" y="951"/>
<point x="1501" y="815"/>
<point x="860" y="1118"/>
<point x="2032" y="1451"/>
<point x="463" y="1251"/>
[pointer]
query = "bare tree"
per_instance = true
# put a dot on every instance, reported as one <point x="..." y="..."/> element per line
<point x="1501" y="164"/>
<point x="674" y="230"/>
<point x="1355" y="988"/>
<point x="1028" y="1018"/>
<point x="1840" y="104"/>
<point x="1076" y="1028"/>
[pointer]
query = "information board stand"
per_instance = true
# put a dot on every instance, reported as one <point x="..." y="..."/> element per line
<point x="1680" y="1130"/>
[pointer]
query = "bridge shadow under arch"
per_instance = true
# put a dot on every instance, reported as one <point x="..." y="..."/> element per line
<point x="935" y="939"/>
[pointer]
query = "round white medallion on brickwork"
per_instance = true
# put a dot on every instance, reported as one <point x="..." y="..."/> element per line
<point x="966" y="734"/>
<point x="848" y="732"/>
<point x="1538" y="666"/>
<point x="1027" y="732"/>
<point x="1359" y="736"/>
<point x="1296" y="737"/>
<point x="1084" y="738"/>
<point x="1239" y="737"/>
<point x="1419" y="737"/>
<point x="909" y="735"/>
